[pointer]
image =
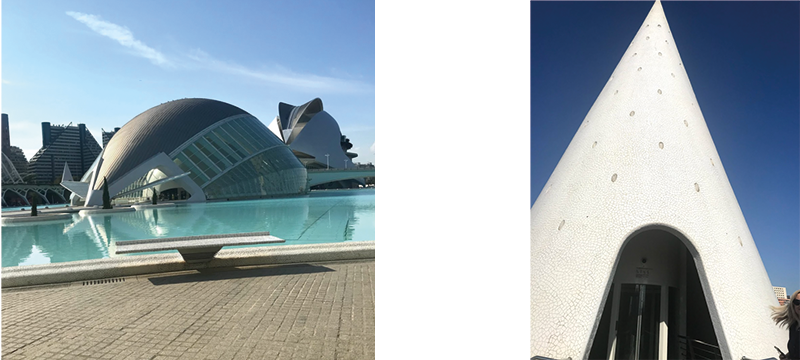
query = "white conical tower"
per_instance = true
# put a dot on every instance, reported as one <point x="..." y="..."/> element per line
<point x="638" y="234"/>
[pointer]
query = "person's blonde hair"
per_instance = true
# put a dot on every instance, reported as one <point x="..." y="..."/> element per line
<point x="784" y="315"/>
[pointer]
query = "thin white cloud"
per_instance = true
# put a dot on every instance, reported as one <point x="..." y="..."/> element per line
<point x="122" y="35"/>
<point x="199" y="59"/>
<point x="372" y="148"/>
<point x="279" y="76"/>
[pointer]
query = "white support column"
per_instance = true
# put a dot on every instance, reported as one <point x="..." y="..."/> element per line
<point x="663" y="329"/>
<point x="612" y="331"/>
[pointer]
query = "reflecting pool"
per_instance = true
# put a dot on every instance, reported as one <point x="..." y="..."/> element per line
<point x="321" y="217"/>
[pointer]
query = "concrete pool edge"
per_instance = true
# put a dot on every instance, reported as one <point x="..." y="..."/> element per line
<point x="29" y="275"/>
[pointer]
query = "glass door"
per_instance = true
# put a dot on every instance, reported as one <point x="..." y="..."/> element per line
<point x="637" y="324"/>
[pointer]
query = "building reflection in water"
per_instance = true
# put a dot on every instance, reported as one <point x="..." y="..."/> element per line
<point x="323" y="218"/>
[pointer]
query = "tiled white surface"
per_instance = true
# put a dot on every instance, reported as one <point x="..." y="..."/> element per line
<point x="581" y="218"/>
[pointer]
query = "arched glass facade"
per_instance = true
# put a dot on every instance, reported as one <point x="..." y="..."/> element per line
<point x="239" y="157"/>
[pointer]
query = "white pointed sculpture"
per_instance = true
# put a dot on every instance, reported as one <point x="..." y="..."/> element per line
<point x="66" y="175"/>
<point x="638" y="234"/>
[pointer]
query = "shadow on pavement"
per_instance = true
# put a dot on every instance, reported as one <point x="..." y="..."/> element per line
<point x="236" y="273"/>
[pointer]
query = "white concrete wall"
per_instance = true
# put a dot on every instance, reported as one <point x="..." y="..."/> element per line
<point x="320" y="136"/>
<point x="639" y="159"/>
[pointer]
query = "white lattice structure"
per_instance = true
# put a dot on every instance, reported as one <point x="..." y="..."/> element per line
<point x="23" y="191"/>
<point x="640" y="205"/>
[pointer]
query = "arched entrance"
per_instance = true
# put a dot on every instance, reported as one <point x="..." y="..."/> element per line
<point x="13" y="198"/>
<point x="54" y="197"/>
<point x="655" y="307"/>
<point x="41" y="199"/>
<point x="176" y="193"/>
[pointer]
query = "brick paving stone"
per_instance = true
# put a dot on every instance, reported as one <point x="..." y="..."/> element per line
<point x="310" y="311"/>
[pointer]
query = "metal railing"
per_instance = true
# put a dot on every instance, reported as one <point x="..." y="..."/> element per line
<point x="695" y="348"/>
<point x="701" y="350"/>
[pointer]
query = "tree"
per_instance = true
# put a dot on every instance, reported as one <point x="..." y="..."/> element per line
<point x="155" y="197"/>
<point x="344" y="142"/>
<point x="34" y="201"/>
<point x="106" y="196"/>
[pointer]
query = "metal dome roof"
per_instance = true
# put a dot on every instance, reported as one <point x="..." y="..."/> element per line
<point x="159" y="129"/>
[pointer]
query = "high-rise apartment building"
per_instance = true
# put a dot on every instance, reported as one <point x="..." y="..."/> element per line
<point x="71" y="144"/>
<point x="17" y="157"/>
<point x="6" y="136"/>
<point x="13" y="153"/>
<point x="107" y="135"/>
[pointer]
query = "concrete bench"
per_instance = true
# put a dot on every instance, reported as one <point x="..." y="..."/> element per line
<point x="196" y="248"/>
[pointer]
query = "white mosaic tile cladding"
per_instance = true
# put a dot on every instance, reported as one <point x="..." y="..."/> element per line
<point x="581" y="218"/>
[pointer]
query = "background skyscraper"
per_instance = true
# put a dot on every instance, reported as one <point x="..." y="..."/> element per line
<point x="14" y="153"/>
<point x="107" y="135"/>
<point x="6" y="138"/>
<point x="71" y="144"/>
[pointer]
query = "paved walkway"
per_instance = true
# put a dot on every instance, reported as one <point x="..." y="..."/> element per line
<point x="317" y="311"/>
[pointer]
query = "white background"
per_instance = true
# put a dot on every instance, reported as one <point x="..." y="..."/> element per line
<point x="452" y="221"/>
<point x="453" y="198"/>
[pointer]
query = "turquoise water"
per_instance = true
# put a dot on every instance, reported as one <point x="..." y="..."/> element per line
<point x="321" y="217"/>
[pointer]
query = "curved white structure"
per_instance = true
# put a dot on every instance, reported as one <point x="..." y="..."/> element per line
<point x="637" y="238"/>
<point x="312" y="134"/>
<point x="10" y="174"/>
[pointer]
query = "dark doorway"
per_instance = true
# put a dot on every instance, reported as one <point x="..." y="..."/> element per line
<point x="655" y="307"/>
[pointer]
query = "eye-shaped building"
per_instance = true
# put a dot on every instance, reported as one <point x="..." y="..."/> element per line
<point x="207" y="148"/>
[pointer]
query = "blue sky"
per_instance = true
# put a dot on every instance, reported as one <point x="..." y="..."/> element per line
<point x="743" y="61"/>
<point x="103" y="62"/>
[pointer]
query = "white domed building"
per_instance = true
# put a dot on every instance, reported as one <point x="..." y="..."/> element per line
<point x="199" y="149"/>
